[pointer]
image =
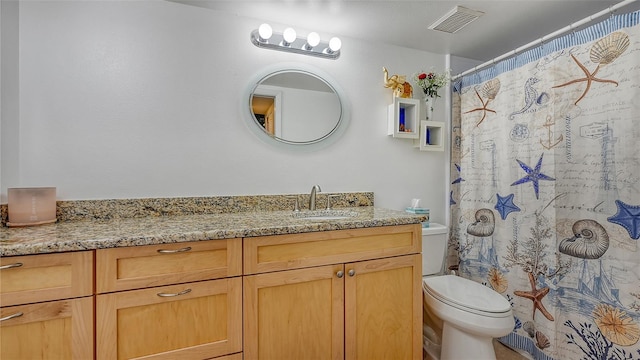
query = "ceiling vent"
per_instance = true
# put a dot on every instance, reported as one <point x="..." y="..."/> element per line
<point x="455" y="19"/>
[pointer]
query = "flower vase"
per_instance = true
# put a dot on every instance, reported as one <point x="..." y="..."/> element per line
<point x="429" y="101"/>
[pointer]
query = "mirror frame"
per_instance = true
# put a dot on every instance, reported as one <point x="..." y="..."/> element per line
<point x="315" y="144"/>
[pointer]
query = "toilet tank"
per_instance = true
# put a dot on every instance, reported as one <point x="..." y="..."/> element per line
<point x="434" y="246"/>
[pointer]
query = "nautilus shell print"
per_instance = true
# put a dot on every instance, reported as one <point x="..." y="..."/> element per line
<point x="589" y="241"/>
<point x="484" y="225"/>
<point x="607" y="49"/>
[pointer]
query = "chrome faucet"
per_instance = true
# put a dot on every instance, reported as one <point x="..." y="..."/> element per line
<point x="312" y="197"/>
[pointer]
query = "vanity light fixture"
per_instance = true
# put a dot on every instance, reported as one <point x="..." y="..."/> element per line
<point x="313" y="40"/>
<point x="288" y="40"/>
<point x="288" y="37"/>
<point x="264" y="33"/>
<point x="334" y="45"/>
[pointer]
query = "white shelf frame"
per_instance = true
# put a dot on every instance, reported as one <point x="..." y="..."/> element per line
<point x="432" y="135"/>
<point x="411" y="118"/>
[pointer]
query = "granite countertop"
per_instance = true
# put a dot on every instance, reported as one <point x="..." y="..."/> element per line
<point x="120" y="232"/>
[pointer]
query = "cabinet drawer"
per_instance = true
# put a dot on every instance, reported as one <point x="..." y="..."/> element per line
<point x="283" y="252"/>
<point x="36" y="278"/>
<point x="187" y="321"/>
<point x="51" y="330"/>
<point x="155" y="265"/>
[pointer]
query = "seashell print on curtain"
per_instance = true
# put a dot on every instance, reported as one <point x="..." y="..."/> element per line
<point x="545" y="205"/>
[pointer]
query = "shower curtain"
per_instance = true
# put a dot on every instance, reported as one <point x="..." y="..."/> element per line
<point x="545" y="192"/>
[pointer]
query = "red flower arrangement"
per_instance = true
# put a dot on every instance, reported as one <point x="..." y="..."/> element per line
<point x="431" y="82"/>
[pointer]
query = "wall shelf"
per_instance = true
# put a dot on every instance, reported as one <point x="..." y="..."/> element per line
<point x="432" y="135"/>
<point x="403" y="117"/>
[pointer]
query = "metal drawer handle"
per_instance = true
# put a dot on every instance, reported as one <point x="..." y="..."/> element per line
<point x="351" y="272"/>
<point x="165" y="251"/>
<point x="174" y="294"/>
<point x="18" y="314"/>
<point x="14" y="265"/>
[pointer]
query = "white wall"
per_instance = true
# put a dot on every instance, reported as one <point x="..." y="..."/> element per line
<point x="9" y="112"/>
<point x="142" y="99"/>
<point x="460" y="64"/>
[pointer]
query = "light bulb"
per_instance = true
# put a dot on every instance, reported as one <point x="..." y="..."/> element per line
<point x="313" y="39"/>
<point x="335" y="44"/>
<point x="265" y="32"/>
<point x="289" y="36"/>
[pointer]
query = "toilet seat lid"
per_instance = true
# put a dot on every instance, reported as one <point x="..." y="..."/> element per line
<point x="465" y="293"/>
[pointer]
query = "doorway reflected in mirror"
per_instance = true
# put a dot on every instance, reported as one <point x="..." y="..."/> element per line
<point x="263" y="108"/>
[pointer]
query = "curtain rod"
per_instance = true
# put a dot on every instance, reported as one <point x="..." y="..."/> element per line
<point x="571" y="27"/>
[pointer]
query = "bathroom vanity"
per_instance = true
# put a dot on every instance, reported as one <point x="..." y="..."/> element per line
<point x="252" y="285"/>
<point x="345" y="294"/>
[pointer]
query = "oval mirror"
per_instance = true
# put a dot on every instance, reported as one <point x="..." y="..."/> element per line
<point x="295" y="105"/>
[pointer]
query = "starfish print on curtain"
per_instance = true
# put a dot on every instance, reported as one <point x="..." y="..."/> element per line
<point x="505" y="205"/>
<point x="603" y="52"/>
<point x="533" y="175"/>
<point x="628" y="216"/>
<point x="536" y="296"/>
<point x="489" y="90"/>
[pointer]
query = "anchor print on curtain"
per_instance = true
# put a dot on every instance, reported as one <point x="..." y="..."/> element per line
<point x="545" y="192"/>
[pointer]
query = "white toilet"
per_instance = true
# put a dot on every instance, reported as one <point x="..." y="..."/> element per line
<point x="461" y="316"/>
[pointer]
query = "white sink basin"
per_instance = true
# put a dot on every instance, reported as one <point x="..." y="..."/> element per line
<point x="318" y="215"/>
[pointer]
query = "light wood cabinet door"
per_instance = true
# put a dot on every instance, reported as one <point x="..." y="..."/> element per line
<point x="362" y="310"/>
<point x="199" y="320"/>
<point x="383" y="308"/>
<point x="37" y="278"/>
<point x="129" y="268"/>
<point x="50" y="330"/>
<point x="295" y="314"/>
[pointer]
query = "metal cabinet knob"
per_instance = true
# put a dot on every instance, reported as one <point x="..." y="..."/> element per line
<point x="340" y="274"/>
<point x="351" y="272"/>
